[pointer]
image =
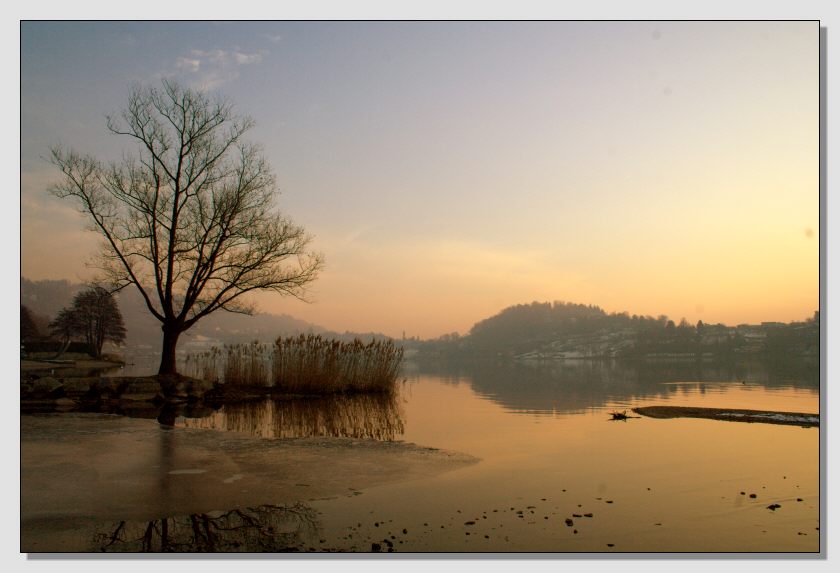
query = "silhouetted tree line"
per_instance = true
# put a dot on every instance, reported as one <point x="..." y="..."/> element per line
<point x="588" y="331"/>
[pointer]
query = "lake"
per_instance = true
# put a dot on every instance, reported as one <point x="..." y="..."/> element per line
<point x="549" y="450"/>
<point x="555" y="474"/>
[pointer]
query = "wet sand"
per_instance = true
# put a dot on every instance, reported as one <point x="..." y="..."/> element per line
<point x="79" y="471"/>
<point x="731" y="415"/>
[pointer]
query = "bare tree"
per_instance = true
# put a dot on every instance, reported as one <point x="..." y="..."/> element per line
<point x="191" y="219"/>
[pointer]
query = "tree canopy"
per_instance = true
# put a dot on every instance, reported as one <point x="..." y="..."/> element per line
<point x="190" y="220"/>
<point x="94" y="317"/>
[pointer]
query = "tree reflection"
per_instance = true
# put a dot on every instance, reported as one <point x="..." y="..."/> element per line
<point x="371" y="416"/>
<point x="263" y="528"/>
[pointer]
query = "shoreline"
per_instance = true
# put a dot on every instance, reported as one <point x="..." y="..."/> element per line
<point x="84" y="471"/>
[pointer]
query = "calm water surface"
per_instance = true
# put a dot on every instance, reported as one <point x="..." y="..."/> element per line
<point x="549" y="453"/>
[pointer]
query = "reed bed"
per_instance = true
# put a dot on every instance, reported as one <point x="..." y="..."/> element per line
<point x="309" y="363"/>
<point x="305" y="364"/>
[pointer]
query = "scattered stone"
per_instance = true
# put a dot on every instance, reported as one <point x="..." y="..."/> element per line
<point x="569" y="522"/>
<point x="610" y="544"/>
<point x="773" y="506"/>
<point x="587" y="515"/>
<point x="609" y="501"/>
<point x="753" y="496"/>
<point x="405" y="531"/>
<point x="376" y="524"/>
<point x="469" y="523"/>
<point x="743" y="493"/>
<point x="799" y="499"/>
<point x="375" y="547"/>
<point x="574" y="531"/>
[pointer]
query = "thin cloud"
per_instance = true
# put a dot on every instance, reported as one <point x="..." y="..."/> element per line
<point x="213" y="68"/>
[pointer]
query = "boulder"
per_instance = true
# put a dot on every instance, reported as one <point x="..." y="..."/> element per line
<point x="79" y="386"/>
<point x="141" y="390"/>
<point x="110" y="387"/>
<point x="46" y="386"/>
<point x="184" y="388"/>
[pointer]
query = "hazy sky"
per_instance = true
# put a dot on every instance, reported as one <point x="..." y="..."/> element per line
<point x="448" y="170"/>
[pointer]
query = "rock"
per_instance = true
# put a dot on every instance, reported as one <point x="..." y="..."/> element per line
<point x="183" y="387"/>
<point x="753" y="496"/>
<point x="79" y="386"/>
<point x="142" y="390"/>
<point x="46" y="385"/>
<point x="375" y="547"/>
<point x="110" y="387"/>
<point x="569" y="522"/>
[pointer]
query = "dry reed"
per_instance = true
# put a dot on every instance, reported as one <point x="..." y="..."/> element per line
<point x="306" y="364"/>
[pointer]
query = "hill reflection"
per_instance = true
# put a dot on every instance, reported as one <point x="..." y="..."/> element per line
<point x="370" y="416"/>
<point x="574" y="387"/>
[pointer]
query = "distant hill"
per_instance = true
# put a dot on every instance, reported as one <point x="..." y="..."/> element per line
<point x="46" y="298"/>
<point x="568" y="331"/>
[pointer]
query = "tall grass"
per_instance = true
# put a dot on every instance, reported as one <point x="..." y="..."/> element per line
<point x="305" y="364"/>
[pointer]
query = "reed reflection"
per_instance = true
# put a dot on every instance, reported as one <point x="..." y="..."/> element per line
<point x="262" y="528"/>
<point x="364" y="416"/>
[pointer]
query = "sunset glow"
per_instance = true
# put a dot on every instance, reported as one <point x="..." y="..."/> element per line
<point x="448" y="170"/>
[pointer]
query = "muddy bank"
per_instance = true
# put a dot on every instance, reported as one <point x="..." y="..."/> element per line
<point x="81" y="471"/>
<point x="731" y="415"/>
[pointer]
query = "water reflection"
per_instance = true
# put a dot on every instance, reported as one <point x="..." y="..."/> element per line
<point x="262" y="528"/>
<point x="372" y="416"/>
<point x="575" y="387"/>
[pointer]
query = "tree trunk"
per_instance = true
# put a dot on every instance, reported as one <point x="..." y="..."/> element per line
<point x="167" y="358"/>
